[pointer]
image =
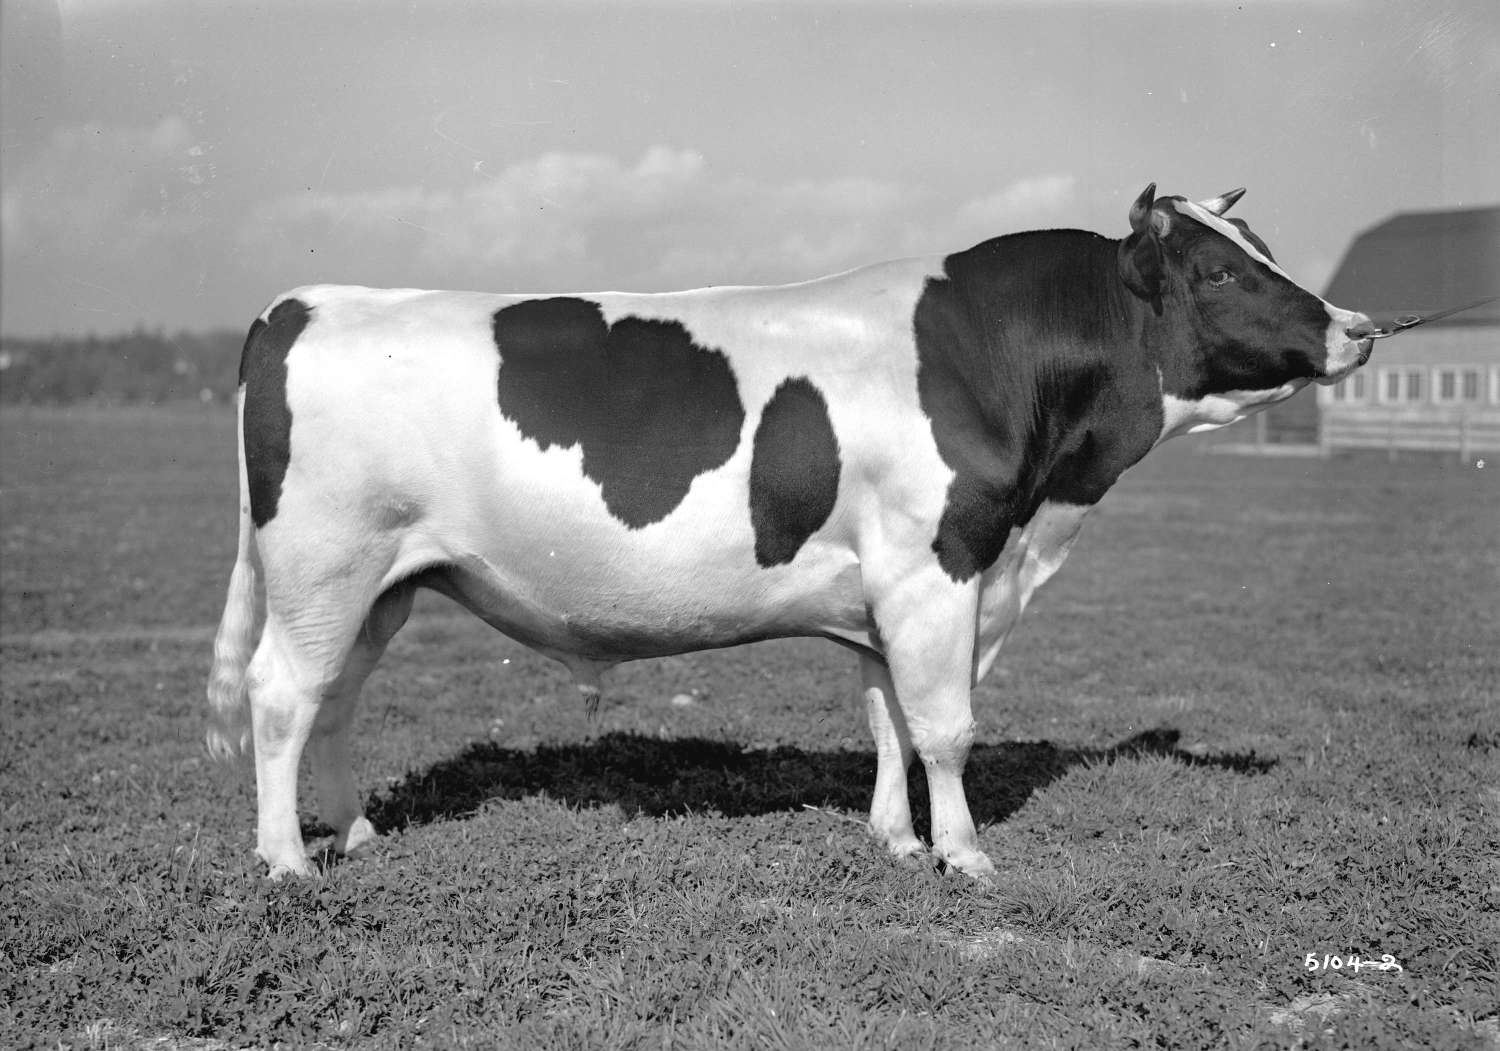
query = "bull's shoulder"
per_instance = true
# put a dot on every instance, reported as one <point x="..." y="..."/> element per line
<point x="1032" y="378"/>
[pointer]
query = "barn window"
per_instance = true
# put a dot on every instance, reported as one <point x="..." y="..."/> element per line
<point x="1413" y="385"/>
<point x="1447" y="385"/>
<point x="1392" y="386"/>
<point x="1350" y="389"/>
<point x="1470" y="390"/>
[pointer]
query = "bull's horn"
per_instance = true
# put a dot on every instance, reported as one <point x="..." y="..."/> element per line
<point x="1222" y="203"/>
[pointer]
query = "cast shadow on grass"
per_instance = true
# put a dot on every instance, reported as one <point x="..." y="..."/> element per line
<point x="672" y="777"/>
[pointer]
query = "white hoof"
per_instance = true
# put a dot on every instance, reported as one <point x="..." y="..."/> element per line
<point x="358" y="840"/>
<point x="282" y="871"/>
<point x="973" y="863"/>
<point x="900" y="845"/>
<point x="288" y="861"/>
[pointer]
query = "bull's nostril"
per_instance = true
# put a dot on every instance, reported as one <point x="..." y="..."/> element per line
<point x="1363" y="330"/>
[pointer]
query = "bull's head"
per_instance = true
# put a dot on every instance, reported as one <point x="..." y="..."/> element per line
<point x="1234" y="326"/>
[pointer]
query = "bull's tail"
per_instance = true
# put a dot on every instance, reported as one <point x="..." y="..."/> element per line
<point x="228" y="697"/>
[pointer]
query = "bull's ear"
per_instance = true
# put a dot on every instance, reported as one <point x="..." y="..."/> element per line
<point x="1142" y="208"/>
<point x="1140" y="256"/>
<point x="1222" y="203"/>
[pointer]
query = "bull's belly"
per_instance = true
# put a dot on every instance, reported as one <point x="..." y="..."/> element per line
<point x="623" y="616"/>
<point x="630" y="610"/>
<point x="548" y="567"/>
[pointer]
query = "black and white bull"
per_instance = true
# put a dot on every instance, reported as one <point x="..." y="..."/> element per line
<point x="894" y="458"/>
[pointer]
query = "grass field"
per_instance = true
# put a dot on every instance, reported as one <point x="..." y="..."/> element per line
<point x="1253" y="726"/>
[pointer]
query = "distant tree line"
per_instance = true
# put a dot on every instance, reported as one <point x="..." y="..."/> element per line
<point x="140" y="367"/>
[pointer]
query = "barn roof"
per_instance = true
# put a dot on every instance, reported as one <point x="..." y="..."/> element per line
<point x="1418" y="262"/>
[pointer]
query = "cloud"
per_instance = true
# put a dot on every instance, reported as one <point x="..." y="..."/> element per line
<point x="107" y="227"/>
<point x="661" y="221"/>
<point x="109" y="190"/>
<point x="1028" y="203"/>
<point x="585" y="220"/>
<point x="102" y="226"/>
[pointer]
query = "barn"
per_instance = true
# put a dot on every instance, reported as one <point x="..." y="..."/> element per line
<point x="1434" y="388"/>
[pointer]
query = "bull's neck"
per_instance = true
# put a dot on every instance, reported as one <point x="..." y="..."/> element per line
<point x="1034" y="367"/>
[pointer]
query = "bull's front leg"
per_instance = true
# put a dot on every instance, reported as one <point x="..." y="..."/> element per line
<point x="890" y="807"/>
<point x="926" y="626"/>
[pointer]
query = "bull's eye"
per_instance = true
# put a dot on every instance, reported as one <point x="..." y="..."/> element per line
<point x="1220" y="276"/>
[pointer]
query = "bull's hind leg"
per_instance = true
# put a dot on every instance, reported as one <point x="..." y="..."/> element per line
<point x="338" y="795"/>
<point x="307" y="657"/>
<point x="286" y="684"/>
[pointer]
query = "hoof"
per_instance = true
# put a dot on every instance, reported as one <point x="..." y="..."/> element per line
<point x="282" y="871"/>
<point x="900" y="845"/>
<point x="358" y="841"/>
<point x="284" y="863"/>
<point x="907" y="851"/>
<point x="975" y="864"/>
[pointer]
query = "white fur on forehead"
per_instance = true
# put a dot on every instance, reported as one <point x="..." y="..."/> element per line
<point x="1228" y="229"/>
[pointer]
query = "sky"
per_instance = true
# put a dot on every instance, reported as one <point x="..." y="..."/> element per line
<point x="176" y="163"/>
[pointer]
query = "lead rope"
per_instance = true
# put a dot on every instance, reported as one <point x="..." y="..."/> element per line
<point x="1406" y="321"/>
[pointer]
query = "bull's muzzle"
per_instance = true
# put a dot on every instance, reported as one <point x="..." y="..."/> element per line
<point x="1351" y="337"/>
<point x="1362" y="334"/>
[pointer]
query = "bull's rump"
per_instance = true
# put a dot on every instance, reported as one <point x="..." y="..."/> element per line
<point x="403" y="461"/>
